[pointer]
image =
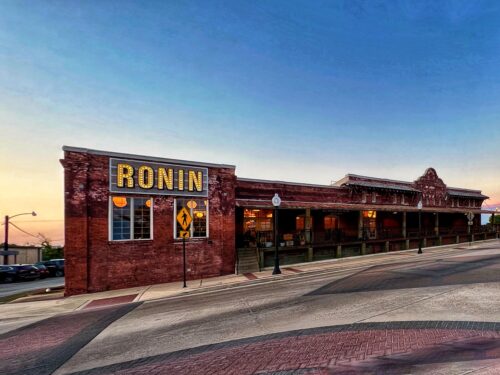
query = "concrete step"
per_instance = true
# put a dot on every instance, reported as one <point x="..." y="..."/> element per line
<point x="248" y="261"/>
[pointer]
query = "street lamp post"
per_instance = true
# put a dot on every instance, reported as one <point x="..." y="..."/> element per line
<point x="419" y="206"/>
<point x="470" y="223"/>
<point x="495" y="226"/>
<point x="276" y="203"/>
<point x="6" y="242"/>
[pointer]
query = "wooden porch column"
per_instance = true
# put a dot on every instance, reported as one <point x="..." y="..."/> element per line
<point x="436" y="226"/>
<point x="360" y="225"/>
<point x="308" y="226"/>
<point x="404" y="225"/>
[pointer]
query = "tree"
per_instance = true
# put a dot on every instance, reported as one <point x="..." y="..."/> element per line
<point x="50" y="252"/>
<point x="496" y="221"/>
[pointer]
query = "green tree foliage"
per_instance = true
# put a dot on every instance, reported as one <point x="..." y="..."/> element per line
<point x="50" y="252"/>
<point x="496" y="221"/>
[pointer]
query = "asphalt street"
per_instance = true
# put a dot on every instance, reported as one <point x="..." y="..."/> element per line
<point x="438" y="314"/>
<point x="27" y="286"/>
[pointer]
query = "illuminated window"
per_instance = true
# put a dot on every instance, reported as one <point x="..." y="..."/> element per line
<point x="330" y="222"/>
<point x="198" y="210"/>
<point x="130" y="218"/>
<point x="370" y="214"/>
<point x="258" y="227"/>
<point x="300" y="223"/>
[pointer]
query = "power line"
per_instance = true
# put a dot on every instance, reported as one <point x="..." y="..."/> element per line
<point x="40" y="221"/>
<point x="22" y="230"/>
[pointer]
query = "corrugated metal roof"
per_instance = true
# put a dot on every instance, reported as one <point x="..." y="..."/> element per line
<point x="381" y="185"/>
<point x="466" y="193"/>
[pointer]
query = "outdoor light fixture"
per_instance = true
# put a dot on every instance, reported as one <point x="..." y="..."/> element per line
<point x="370" y="214"/>
<point x="276" y="201"/>
<point x="191" y="204"/>
<point x="148" y="203"/>
<point x="419" y="207"/>
<point x="6" y="238"/>
<point x="120" y="202"/>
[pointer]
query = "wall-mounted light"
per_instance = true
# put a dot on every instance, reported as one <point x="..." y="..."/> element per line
<point x="120" y="202"/>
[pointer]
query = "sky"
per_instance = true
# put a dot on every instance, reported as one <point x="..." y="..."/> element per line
<point x="288" y="90"/>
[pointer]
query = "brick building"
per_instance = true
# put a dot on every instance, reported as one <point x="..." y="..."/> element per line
<point x="121" y="211"/>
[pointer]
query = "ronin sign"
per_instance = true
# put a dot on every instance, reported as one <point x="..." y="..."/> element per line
<point x="142" y="177"/>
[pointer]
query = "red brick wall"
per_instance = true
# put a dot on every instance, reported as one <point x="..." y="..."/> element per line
<point x="93" y="263"/>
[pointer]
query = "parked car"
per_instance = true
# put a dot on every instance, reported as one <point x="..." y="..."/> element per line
<point x="7" y="274"/>
<point x="44" y="271"/>
<point x="55" y="266"/>
<point x="25" y="272"/>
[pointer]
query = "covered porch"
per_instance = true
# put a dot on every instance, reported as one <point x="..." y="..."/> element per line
<point x="318" y="231"/>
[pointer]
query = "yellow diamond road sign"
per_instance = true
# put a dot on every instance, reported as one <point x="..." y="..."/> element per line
<point x="184" y="218"/>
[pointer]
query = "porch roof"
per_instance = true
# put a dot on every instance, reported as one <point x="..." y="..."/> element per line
<point x="260" y="203"/>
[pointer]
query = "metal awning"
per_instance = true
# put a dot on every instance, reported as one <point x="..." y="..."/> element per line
<point x="260" y="203"/>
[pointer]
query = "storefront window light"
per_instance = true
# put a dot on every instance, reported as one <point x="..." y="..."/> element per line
<point x="130" y="218"/>
<point x="120" y="202"/>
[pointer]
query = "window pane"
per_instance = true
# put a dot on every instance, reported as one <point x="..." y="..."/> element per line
<point x="200" y="218"/>
<point x="198" y="209"/>
<point x="142" y="218"/>
<point x="258" y="227"/>
<point x="121" y="218"/>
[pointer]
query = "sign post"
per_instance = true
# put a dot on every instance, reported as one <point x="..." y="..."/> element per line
<point x="184" y="219"/>
<point x="276" y="203"/>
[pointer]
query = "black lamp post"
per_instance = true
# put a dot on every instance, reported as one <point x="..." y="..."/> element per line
<point x="276" y="203"/>
<point x="6" y="242"/>
<point x="419" y="206"/>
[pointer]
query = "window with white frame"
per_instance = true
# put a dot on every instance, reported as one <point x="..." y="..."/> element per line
<point x="198" y="210"/>
<point x="130" y="218"/>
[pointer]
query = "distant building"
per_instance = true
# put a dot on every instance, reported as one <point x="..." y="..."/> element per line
<point x="125" y="216"/>
<point x="25" y="255"/>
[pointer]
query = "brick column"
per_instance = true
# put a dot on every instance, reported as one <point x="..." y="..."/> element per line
<point x="76" y="246"/>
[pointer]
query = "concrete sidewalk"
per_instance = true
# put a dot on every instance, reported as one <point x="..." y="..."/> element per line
<point x="22" y="312"/>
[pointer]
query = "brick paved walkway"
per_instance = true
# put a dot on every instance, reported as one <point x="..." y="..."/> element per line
<point x="381" y="348"/>
<point x="42" y="347"/>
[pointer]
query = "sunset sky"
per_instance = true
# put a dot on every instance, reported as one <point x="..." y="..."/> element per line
<point x="291" y="90"/>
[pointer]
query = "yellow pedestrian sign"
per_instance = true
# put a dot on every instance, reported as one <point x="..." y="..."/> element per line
<point x="184" y="234"/>
<point x="184" y="218"/>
